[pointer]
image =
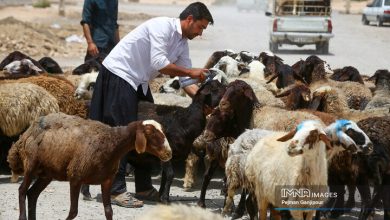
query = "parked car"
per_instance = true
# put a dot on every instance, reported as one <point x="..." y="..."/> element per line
<point x="378" y="11"/>
<point x="301" y="22"/>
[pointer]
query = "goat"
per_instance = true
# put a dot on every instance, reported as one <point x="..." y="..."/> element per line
<point x="182" y="126"/>
<point x="69" y="148"/>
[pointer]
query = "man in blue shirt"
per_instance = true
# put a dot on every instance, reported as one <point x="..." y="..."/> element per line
<point x="100" y="27"/>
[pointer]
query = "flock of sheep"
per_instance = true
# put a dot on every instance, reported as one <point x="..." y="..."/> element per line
<point x="268" y="124"/>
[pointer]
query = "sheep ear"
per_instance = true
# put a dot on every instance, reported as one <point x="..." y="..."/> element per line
<point x="326" y="140"/>
<point x="251" y="95"/>
<point x="285" y="93"/>
<point x="287" y="136"/>
<point x="140" y="141"/>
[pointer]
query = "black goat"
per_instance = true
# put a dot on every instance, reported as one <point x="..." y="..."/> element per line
<point x="182" y="126"/>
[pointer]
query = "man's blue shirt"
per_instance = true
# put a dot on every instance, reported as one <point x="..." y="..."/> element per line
<point x="101" y="16"/>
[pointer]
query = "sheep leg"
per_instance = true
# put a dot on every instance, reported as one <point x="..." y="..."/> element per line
<point x="364" y="191"/>
<point x="364" y="214"/>
<point x="351" y="197"/>
<point x="74" y="199"/>
<point x="189" y="177"/>
<point x="169" y="175"/>
<point x="386" y="196"/>
<point x="229" y="199"/>
<point x="33" y="194"/>
<point x="262" y="208"/>
<point x="22" y="195"/>
<point x="251" y="206"/>
<point x="206" y="181"/>
<point x="106" y="196"/>
<point x="239" y="211"/>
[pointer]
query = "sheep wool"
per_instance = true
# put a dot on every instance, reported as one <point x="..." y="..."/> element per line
<point x="21" y="103"/>
<point x="179" y="212"/>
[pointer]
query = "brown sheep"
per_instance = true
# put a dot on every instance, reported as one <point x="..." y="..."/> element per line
<point x="61" y="88"/>
<point x="69" y="148"/>
<point x="298" y="97"/>
<point x="347" y="73"/>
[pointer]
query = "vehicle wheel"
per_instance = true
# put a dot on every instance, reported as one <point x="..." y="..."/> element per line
<point x="380" y="22"/>
<point x="323" y="48"/>
<point x="273" y="47"/>
<point x="364" y="20"/>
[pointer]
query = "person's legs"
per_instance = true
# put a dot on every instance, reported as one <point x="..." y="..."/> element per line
<point x="114" y="102"/>
<point x="142" y="172"/>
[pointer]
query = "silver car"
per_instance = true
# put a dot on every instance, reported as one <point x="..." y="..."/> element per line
<point x="378" y="11"/>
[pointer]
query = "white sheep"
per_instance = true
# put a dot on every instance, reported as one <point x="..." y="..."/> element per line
<point x="20" y="104"/>
<point x="235" y="163"/>
<point x="230" y="66"/>
<point x="256" y="70"/>
<point x="337" y="133"/>
<point x="300" y="162"/>
<point x="178" y="212"/>
<point x="171" y="99"/>
<point x="84" y="90"/>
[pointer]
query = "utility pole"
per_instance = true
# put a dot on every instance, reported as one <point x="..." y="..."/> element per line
<point x="347" y="6"/>
<point x="61" y="8"/>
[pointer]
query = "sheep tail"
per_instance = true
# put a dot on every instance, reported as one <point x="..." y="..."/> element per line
<point x="14" y="159"/>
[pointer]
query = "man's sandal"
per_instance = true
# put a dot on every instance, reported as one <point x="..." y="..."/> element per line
<point x="126" y="200"/>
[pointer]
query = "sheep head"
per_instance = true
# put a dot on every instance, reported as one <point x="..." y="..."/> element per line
<point x="234" y="112"/>
<point x="304" y="137"/>
<point x="151" y="139"/>
<point x="382" y="78"/>
<point x="348" y="134"/>
<point x="209" y="94"/>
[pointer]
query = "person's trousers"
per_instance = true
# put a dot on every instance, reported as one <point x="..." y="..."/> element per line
<point x="115" y="102"/>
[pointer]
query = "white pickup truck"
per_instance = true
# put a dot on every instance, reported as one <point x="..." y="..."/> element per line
<point x="301" y="22"/>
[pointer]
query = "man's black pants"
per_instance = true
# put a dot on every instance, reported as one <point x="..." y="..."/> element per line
<point x="115" y="102"/>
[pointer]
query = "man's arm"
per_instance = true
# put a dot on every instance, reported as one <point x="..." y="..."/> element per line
<point x="92" y="48"/>
<point x="174" y="70"/>
<point x="117" y="37"/>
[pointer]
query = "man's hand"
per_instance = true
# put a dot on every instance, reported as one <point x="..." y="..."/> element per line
<point x="198" y="73"/>
<point x="92" y="49"/>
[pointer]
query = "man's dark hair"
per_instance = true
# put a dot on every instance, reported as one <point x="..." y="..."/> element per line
<point x="199" y="11"/>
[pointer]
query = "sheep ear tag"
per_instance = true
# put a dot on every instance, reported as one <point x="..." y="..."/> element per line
<point x="140" y="141"/>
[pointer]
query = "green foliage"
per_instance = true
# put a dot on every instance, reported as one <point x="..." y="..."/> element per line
<point x="42" y="4"/>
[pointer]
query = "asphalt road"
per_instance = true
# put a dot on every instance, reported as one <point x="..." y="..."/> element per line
<point x="363" y="47"/>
